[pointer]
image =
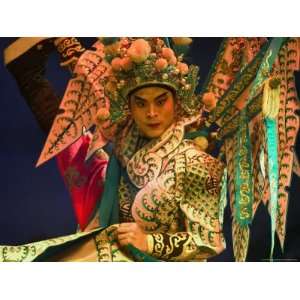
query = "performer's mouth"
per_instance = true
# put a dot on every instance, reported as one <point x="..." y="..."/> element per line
<point x="154" y="125"/>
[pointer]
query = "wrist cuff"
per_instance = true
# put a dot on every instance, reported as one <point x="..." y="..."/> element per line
<point x="150" y="243"/>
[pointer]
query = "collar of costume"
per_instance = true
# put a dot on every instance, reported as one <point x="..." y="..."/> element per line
<point x="145" y="164"/>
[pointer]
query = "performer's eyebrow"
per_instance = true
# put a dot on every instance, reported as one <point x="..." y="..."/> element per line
<point x="157" y="97"/>
<point x="161" y="95"/>
<point x="139" y="98"/>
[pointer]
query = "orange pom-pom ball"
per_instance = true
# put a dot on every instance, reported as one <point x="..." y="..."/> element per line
<point x="161" y="64"/>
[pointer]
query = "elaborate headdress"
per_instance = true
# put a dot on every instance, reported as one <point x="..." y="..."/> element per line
<point x="136" y="63"/>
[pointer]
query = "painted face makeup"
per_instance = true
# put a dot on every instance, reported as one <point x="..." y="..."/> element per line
<point x="153" y="110"/>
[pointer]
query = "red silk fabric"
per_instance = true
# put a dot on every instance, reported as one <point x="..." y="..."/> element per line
<point x="84" y="179"/>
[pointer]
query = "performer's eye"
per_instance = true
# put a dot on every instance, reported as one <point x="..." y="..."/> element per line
<point x="140" y="103"/>
<point x="161" y="101"/>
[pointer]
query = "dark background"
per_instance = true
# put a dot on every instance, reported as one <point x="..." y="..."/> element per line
<point x="34" y="203"/>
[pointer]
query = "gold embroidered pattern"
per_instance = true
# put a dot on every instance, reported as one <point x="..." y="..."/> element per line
<point x="73" y="178"/>
<point x="70" y="49"/>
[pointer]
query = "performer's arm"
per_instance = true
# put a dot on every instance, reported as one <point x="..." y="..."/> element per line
<point x="26" y="60"/>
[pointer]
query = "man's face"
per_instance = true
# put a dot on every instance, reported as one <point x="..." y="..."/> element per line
<point x="153" y="110"/>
